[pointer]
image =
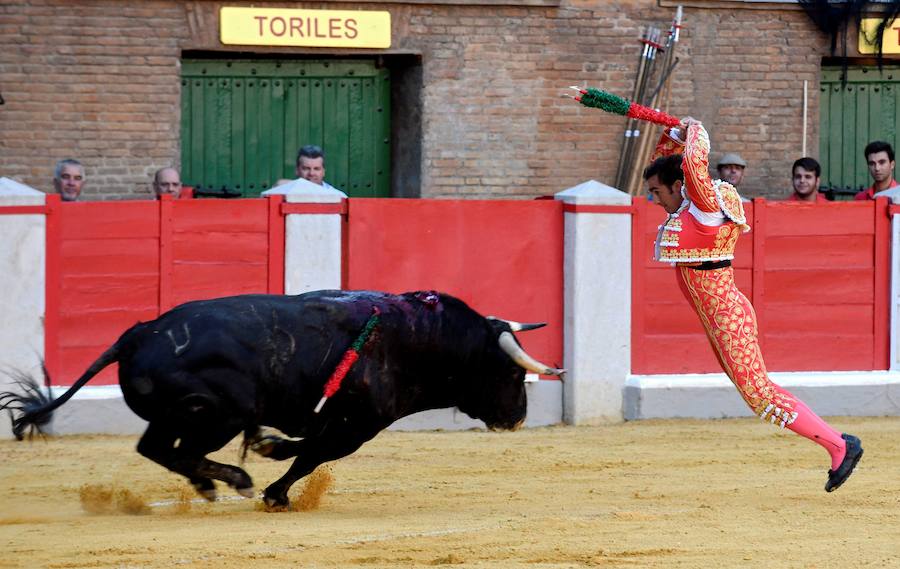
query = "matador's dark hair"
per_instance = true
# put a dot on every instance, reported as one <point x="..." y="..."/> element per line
<point x="666" y="168"/>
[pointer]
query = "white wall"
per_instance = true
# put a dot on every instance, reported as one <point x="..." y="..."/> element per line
<point x="22" y="263"/>
<point x="312" y="247"/>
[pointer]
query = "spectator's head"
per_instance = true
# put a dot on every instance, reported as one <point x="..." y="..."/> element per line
<point x="68" y="179"/>
<point x="731" y="169"/>
<point x="805" y="175"/>
<point x="311" y="164"/>
<point x="664" y="181"/>
<point x="167" y="181"/>
<point x="880" y="159"/>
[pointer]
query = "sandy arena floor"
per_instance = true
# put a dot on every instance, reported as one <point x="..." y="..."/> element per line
<point x="700" y="494"/>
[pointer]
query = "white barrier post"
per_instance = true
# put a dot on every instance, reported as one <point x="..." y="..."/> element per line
<point x="894" y="195"/>
<point x="597" y="313"/>
<point x="23" y="229"/>
<point x="312" y="248"/>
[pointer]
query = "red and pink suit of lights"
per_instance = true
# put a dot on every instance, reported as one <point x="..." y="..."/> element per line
<point x="706" y="229"/>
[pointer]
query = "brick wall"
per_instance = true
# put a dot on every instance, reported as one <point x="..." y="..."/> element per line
<point x="98" y="80"/>
<point x="749" y="67"/>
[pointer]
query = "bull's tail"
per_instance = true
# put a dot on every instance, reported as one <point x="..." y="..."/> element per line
<point x="36" y="408"/>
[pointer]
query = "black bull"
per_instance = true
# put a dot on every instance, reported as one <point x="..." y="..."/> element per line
<point x="207" y="371"/>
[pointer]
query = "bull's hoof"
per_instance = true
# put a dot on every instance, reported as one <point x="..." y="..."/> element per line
<point x="206" y="489"/>
<point x="208" y="495"/>
<point x="247" y="492"/>
<point x="276" y="505"/>
<point x="265" y="446"/>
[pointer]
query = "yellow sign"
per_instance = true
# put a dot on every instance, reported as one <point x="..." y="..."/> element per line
<point x="311" y="28"/>
<point x="890" y="43"/>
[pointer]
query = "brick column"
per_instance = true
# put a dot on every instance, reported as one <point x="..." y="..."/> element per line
<point x="22" y="264"/>
<point x="597" y="314"/>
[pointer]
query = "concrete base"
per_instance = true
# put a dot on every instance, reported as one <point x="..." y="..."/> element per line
<point x="712" y="396"/>
<point x="95" y="410"/>
<point x="102" y="410"/>
<point x="544" y="408"/>
<point x="696" y="396"/>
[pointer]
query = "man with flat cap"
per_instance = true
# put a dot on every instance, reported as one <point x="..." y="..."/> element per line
<point x="731" y="169"/>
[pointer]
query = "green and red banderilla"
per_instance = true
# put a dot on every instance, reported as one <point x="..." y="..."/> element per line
<point x="595" y="98"/>
<point x="350" y="357"/>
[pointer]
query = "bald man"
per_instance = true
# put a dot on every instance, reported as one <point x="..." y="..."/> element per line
<point x="167" y="181"/>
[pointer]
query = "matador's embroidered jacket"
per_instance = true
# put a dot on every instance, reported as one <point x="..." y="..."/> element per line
<point x="711" y="218"/>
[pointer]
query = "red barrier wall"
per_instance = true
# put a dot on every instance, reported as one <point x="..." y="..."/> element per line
<point x="219" y="248"/>
<point x="503" y="258"/>
<point x="124" y="262"/>
<point x="108" y="280"/>
<point x="818" y="277"/>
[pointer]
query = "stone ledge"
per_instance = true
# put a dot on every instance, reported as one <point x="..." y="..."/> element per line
<point x="544" y="408"/>
<point x="712" y="396"/>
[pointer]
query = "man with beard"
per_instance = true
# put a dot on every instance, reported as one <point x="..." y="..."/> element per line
<point x="68" y="179"/>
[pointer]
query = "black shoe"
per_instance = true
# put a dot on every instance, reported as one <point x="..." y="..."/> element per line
<point x="843" y="472"/>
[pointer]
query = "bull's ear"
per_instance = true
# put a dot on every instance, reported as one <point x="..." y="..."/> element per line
<point x="518" y="326"/>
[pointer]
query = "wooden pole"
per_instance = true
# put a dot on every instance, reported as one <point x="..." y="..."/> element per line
<point x="805" y="107"/>
<point x="635" y="126"/>
<point x="636" y="187"/>
<point x="637" y="160"/>
<point x="631" y="123"/>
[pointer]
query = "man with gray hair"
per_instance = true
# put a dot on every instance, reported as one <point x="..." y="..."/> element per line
<point x="68" y="179"/>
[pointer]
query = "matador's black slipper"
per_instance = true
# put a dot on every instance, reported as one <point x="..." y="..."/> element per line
<point x="843" y="472"/>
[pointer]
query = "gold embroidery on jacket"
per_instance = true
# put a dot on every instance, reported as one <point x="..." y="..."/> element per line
<point x="722" y="247"/>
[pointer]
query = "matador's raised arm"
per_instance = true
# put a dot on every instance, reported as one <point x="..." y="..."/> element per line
<point x="695" y="164"/>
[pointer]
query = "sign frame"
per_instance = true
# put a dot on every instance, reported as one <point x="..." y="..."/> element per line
<point x="290" y="27"/>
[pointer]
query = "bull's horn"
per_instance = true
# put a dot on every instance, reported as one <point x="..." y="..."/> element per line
<point x="509" y="345"/>
<point x="519" y="326"/>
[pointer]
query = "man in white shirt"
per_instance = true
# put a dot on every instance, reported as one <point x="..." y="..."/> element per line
<point x="310" y="166"/>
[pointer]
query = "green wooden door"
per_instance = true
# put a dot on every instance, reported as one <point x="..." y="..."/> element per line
<point x="242" y="122"/>
<point x="852" y="115"/>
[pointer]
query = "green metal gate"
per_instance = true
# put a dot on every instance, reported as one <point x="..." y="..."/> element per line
<point x="852" y="115"/>
<point x="242" y="122"/>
